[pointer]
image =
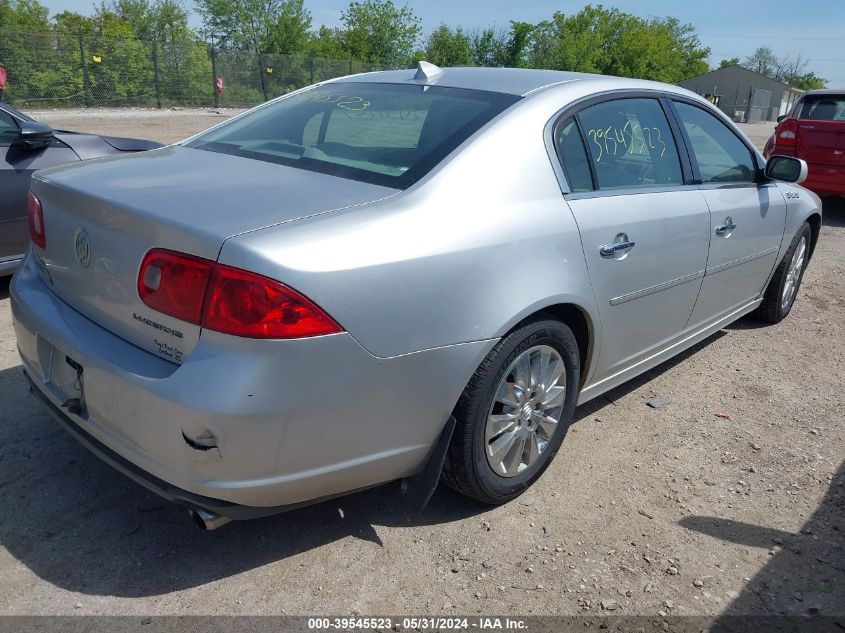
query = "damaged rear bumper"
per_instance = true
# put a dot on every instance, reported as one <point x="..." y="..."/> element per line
<point x="243" y="427"/>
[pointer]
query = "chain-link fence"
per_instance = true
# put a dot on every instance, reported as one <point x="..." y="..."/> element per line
<point x="58" y="68"/>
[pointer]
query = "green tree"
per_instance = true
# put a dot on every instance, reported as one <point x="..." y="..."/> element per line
<point x="446" y="47"/>
<point x="378" y="31"/>
<point x="610" y="41"/>
<point x="726" y="63"/>
<point x="257" y="26"/>
<point x="25" y="48"/>
<point x="809" y="81"/>
<point x="291" y="32"/>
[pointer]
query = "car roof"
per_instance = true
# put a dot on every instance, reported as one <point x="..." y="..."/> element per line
<point x="513" y="81"/>
<point x="825" y="91"/>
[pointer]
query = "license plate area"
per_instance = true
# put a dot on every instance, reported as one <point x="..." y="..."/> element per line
<point x="65" y="378"/>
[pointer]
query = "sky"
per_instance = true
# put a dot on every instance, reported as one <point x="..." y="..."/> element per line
<point x="815" y="29"/>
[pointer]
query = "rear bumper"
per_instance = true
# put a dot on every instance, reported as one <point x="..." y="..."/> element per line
<point x="293" y="421"/>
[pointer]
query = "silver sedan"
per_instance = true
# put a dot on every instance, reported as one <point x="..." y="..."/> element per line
<point x="398" y="275"/>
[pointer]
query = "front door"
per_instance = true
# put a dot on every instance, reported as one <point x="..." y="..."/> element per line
<point x="747" y="218"/>
<point x="644" y="232"/>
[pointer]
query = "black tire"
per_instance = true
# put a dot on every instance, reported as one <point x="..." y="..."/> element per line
<point x="773" y="310"/>
<point x="466" y="468"/>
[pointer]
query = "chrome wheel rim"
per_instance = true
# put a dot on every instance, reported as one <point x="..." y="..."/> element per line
<point x="526" y="410"/>
<point x="793" y="275"/>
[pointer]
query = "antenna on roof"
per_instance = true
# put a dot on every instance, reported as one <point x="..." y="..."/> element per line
<point x="427" y="72"/>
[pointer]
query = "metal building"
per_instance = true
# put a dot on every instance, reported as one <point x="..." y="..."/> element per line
<point x="744" y="95"/>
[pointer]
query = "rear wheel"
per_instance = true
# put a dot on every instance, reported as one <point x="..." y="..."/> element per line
<point x="783" y="288"/>
<point x="514" y="413"/>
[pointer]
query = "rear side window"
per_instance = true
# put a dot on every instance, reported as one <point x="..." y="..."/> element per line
<point x="823" y="108"/>
<point x="630" y="144"/>
<point x="385" y="134"/>
<point x="573" y="157"/>
<point x="720" y="155"/>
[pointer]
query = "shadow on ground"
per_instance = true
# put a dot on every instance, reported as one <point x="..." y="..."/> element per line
<point x="833" y="211"/>
<point x="806" y="574"/>
<point x="84" y="527"/>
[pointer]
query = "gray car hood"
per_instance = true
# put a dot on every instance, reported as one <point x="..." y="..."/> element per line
<point x="210" y="194"/>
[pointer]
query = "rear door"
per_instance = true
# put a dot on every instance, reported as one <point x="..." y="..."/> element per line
<point x="747" y="216"/>
<point x="643" y="230"/>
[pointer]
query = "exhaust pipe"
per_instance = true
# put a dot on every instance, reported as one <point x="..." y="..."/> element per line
<point x="206" y="519"/>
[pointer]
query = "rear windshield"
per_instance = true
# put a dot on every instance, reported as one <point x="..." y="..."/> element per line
<point x="384" y="134"/>
<point x="823" y="108"/>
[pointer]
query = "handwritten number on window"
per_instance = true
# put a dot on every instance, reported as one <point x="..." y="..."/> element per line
<point x="631" y="138"/>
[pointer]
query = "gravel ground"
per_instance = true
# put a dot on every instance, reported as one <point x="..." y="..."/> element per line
<point x="729" y="500"/>
<point x="164" y="126"/>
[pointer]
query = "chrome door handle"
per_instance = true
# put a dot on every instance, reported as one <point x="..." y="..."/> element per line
<point x="620" y="244"/>
<point x="727" y="227"/>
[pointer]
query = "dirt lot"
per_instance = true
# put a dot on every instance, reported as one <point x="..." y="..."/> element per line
<point x="164" y="126"/>
<point x="644" y="511"/>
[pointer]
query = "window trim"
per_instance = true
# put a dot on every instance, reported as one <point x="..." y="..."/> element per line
<point x="717" y="114"/>
<point x="583" y="103"/>
<point x="562" y="123"/>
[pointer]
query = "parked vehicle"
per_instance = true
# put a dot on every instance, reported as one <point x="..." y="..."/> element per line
<point x="377" y="275"/>
<point x="27" y="145"/>
<point x="815" y="131"/>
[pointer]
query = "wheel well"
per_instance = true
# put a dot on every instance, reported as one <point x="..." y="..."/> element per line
<point x="815" y="222"/>
<point x="581" y="327"/>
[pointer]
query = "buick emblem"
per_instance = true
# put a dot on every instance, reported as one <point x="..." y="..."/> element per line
<point x="83" y="248"/>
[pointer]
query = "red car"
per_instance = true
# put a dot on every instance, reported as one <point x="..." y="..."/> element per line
<point x="815" y="131"/>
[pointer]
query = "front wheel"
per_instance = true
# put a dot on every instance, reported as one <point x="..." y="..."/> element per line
<point x="783" y="288"/>
<point x="514" y="413"/>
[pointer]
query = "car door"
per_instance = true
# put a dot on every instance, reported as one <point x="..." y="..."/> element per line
<point x="16" y="166"/>
<point x="644" y="230"/>
<point x="747" y="215"/>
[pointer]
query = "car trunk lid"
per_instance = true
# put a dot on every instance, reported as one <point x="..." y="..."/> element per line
<point x="103" y="216"/>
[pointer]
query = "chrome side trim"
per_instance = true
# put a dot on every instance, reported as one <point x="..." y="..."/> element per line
<point x="664" y="286"/>
<point x="7" y="266"/>
<point x="606" y="384"/>
<point x="740" y="261"/>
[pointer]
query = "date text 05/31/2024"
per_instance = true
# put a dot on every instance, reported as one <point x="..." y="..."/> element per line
<point x="416" y="624"/>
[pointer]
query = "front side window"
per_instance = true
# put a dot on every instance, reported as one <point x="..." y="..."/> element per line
<point x="631" y="144"/>
<point x="9" y="132"/>
<point x="721" y="156"/>
<point x="385" y="134"/>
<point x="823" y="108"/>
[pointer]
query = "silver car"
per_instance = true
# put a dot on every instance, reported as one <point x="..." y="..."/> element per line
<point x="398" y="275"/>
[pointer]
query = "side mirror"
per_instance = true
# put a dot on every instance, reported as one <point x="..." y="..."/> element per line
<point x="782" y="117"/>
<point x="35" y="135"/>
<point x="786" y="169"/>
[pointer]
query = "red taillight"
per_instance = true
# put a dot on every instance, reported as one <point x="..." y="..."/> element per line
<point x="227" y="299"/>
<point x="245" y="304"/>
<point x="787" y="132"/>
<point x="174" y="283"/>
<point x="35" y="218"/>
